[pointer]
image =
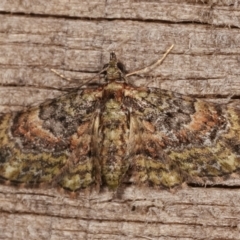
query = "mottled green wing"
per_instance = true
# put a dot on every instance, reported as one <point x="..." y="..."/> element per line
<point x="178" y="139"/>
<point x="50" y="143"/>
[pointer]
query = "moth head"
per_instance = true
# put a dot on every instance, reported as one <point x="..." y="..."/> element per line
<point x="114" y="70"/>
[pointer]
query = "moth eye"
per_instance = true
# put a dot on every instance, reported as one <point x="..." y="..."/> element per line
<point x="122" y="67"/>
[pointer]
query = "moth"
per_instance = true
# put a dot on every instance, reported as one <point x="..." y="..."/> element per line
<point x="117" y="133"/>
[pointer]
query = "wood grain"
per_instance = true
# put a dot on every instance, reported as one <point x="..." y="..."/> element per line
<point x="75" y="37"/>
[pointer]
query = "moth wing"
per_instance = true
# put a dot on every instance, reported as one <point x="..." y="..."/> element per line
<point x="50" y="143"/>
<point x="178" y="139"/>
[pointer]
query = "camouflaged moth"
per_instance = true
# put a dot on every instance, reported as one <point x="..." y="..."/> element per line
<point x="119" y="133"/>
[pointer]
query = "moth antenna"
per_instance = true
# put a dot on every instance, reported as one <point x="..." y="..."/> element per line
<point x="88" y="80"/>
<point x="61" y="75"/>
<point x="154" y="65"/>
<point x="229" y="98"/>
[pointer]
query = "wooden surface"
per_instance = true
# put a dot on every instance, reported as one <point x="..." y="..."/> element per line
<point x="75" y="37"/>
